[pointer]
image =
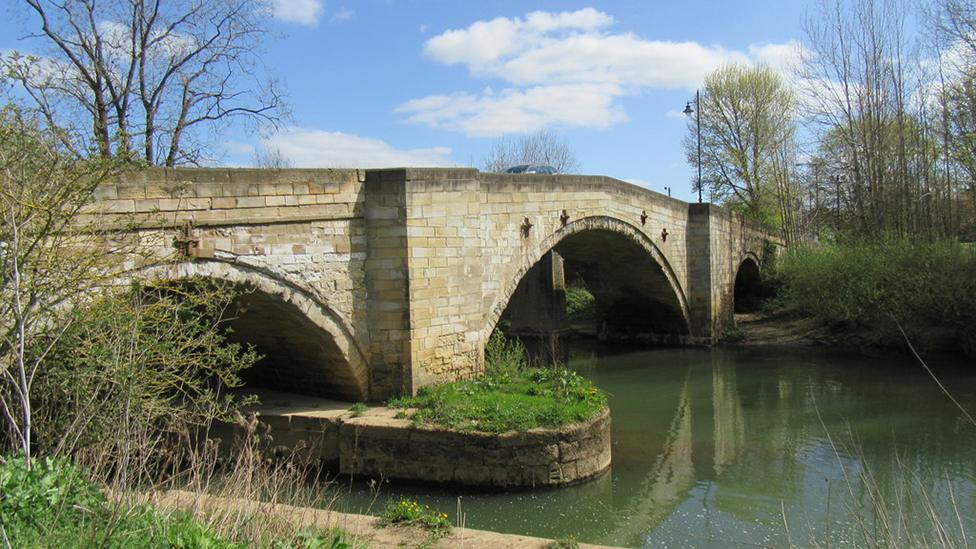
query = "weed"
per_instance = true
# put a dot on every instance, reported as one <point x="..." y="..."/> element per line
<point x="404" y="512"/>
<point x="563" y="543"/>
<point x="358" y="408"/>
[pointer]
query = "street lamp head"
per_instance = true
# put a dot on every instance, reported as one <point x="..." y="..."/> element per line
<point x="688" y="110"/>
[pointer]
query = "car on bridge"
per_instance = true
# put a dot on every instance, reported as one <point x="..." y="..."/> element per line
<point x="532" y="168"/>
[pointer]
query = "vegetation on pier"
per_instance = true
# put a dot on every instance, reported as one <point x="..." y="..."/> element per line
<point x="512" y="395"/>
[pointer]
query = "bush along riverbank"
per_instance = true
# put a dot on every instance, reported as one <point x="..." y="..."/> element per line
<point x="512" y="395"/>
<point x="868" y="291"/>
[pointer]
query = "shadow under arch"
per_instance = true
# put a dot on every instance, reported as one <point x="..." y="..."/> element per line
<point x="747" y="291"/>
<point x="593" y="224"/>
<point x="308" y="348"/>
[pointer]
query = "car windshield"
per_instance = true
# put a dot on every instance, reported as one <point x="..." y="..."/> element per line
<point x="528" y="168"/>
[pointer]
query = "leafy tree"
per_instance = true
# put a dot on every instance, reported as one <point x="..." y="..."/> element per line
<point x="542" y="148"/>
<point x="747" y="131"/>
<point x="146" y="80"/>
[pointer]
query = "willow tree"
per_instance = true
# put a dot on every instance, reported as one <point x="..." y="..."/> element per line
<point x="747" y="140"/>
<point x="145" y="79"/>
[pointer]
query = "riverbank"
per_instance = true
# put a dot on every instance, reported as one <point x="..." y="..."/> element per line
<point x="364" y="530"/>
<point x="781" y="327"/>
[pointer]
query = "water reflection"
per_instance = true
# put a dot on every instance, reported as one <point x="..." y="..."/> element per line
<point x="719" y="447"/>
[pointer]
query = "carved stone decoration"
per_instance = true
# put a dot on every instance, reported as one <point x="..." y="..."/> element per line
<point x="185" y="241"/>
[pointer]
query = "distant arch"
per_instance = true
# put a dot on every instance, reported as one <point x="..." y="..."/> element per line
<point x="585" y="225"/>
<point x="747" y="291"/>
<point x="309" y="348"/>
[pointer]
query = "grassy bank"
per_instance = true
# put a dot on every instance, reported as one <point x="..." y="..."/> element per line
<point x="511" y="396"/>
<point x="53" y="504"/>
<point x="868" y="288"/>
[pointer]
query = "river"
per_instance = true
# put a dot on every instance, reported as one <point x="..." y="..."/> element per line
<point x="751" y="447"/>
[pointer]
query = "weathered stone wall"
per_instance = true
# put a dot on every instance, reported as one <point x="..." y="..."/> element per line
<point x="393" y="448"/>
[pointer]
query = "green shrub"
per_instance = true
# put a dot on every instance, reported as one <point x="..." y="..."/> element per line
<point x="50" y="490"/>
<point x="135" y="364"/>
<point x="580" y="303"/>
<point x="928" y="287"/>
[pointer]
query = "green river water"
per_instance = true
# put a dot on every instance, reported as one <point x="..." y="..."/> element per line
<point x="752" y="447"/>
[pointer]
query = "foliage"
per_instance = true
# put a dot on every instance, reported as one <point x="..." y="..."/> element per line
<point x="33" y="497"/>
<point x="543" y="148"/>
<point x="145" y="81"/>
<point x="732" y="334"/>
<point x="510" y="396"/>
<point x="135" y="365"/>
<point x="404" y="512"/>
<point x="929" y="287"/>
<point x="580" y="303"/>
<point x="53" y="504"/>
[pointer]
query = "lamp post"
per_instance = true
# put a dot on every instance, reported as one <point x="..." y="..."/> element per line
<point x="697" y="110"/>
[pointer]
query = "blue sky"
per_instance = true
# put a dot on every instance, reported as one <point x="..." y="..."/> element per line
<point x="410" y="82"/>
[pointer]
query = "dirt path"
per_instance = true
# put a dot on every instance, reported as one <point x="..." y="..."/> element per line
<point x="780" y="328"/>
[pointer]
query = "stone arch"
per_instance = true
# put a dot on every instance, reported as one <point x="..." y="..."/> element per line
<point x="319" y="354"/>
<point x="747" y="285"/>
<point x="582" y="225"/>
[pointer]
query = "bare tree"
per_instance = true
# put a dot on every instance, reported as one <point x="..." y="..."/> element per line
<point x="269" y="157"/>
<point x="954" y="26"/>
<point x="146" y="80"/>
<point x="541" y="148"/>
<point x="867" y="94"/>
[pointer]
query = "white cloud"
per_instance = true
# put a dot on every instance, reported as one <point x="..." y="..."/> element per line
<point x="311" y="148"/>
<point x="303" y="12"/>
<point x="566" y="69"/>
<point x="488" y="114"/>
<point x="344" y="14"/>
<point x="236" y="148"/>
<point x="784" y="57"/>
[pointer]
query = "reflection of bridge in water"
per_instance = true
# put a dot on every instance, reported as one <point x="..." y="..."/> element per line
<point x="705" y="442"/>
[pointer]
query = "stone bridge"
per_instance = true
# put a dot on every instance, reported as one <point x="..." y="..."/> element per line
<point x="366" y="284"/>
